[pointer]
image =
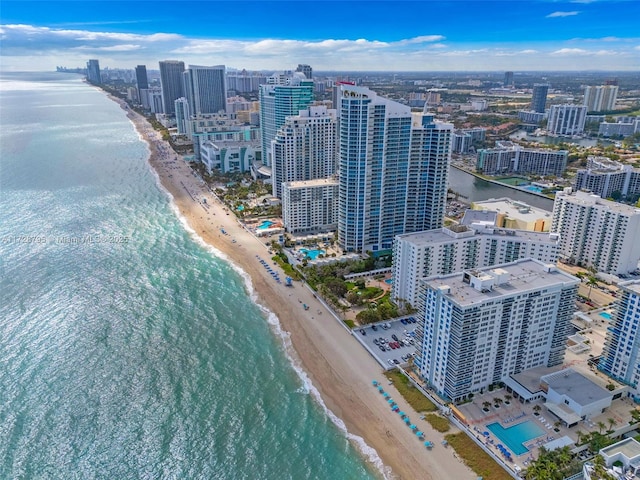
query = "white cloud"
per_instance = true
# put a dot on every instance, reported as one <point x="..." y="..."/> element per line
<point x="562" y="14"/>
<point x="570" y="51"/>
<point x="42" y="48"/>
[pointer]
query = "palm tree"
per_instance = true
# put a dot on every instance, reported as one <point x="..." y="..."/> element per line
<point x="612" y="422"/>
<point x="537" y="408"/>
<point x="591" y="282"/>
<point x="486" y="405"/>
<point x="507" y="399"/>
<point x="498" y="401"/>
<point x="600" y="426"/>
<point x="581" y="436"/>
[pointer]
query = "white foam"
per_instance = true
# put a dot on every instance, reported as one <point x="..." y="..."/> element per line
<point x="366" y="451"/>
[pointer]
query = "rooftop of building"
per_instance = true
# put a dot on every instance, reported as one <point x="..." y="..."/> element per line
<point x="585" y="198"/>
<point x="631" y="285"/>
<point x="476" y="229"/>
<point x="530" y="379"/>
<point x="479" y="216"/>
<point x="500" y="281"/>
<point x="629" y="448"/>
<point x="513" y="209"/>
<point x="576" y="386"/>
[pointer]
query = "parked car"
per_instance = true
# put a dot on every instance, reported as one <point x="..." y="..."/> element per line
<point x="395" y="337"/>
<point x="374" y="328"/>
<point x="362" y="331"/>
<point x="375" y="341"/>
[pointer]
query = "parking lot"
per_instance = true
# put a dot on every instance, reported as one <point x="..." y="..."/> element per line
<point x="388" y="350"/>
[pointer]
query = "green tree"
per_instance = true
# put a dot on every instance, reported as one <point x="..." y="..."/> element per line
<point x="591" y="282"/>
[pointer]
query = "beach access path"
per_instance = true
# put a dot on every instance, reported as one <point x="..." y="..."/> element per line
<point x="335" y="362"/>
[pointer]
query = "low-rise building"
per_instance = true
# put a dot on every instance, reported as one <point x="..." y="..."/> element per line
<point x="228" y="156"/>
<point x="513" y="214"/>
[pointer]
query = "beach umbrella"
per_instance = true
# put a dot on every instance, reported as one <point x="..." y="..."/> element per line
<point x="406" y="420"/>
<point x="386" y="395"/>
<point x="413" y="427"/>
<point x="401" y="413"/>
<point x="419" y="434"/>
<point x="486" y="434"/>
<point x="380" y="389"/>
<point x="374" y="382"/>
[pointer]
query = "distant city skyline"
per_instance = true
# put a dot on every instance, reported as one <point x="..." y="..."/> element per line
<point x="458" y="35"/>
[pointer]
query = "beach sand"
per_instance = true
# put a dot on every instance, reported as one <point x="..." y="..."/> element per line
<point x="335" y="362"/>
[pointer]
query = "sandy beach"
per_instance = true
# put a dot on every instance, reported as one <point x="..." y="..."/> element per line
<point x="335" y="362"/>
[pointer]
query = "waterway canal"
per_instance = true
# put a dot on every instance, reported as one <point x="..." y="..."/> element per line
<point x="476" y="189"/>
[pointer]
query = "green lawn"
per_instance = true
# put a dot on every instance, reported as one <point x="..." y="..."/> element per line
<point x="411" y="394"/>
<point x="476" y="458"/>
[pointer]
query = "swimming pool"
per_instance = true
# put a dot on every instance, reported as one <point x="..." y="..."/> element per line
<point x="389" y="281"/>
<point x="516" y="436"/>
<point x="533" y="188"/>
<point x="311" y="254"/>
<point x="605" y="315"/>
<point x="264" y="225"/>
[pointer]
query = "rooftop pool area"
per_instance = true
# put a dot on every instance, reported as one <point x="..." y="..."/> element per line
<point x="311" y="254"/>
<point x="516" y="436"/>
<point x="605" y="315"/>
<point x="264" y="225"/>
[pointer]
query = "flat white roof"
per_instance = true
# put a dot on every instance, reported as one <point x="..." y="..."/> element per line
<point x="523" y="276"/>
<point x="513" y="209"/>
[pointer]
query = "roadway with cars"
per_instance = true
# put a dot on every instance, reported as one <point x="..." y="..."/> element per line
<point x="390" y="342"/>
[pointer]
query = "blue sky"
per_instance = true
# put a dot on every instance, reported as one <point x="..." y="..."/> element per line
<point x="520" y="35"/>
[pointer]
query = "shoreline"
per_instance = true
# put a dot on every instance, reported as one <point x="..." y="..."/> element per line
<point x="495" y="182"/>
<point x="331" y="364"/>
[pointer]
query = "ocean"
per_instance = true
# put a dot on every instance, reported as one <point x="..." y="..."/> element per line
<point x="129" y="349"/>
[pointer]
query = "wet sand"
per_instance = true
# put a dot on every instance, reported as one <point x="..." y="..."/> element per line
<point x="335" y="362"/>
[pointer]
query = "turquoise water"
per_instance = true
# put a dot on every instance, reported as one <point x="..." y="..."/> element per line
<point x="515" y="436"/>
<point x="128" y="349"/>
<point x="240" y="208"/>
<point x="389" y="281"/>
<point x="264" y="225"/>
<point x="605" y="315"/>
<point x="533" y="188"/>
<point x="312" y="254"/>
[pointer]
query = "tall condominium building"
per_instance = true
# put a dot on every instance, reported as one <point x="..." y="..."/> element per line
<point x="306" y="69"/>
<point x="310" y="206"/>
<point x="508" y="79"/>
<point x="245" y="82"/>
<point x="621" y="355"/>
<point x="428" y="174"/>
<point x="479" y="327"/>
<point x="305" y="147"/>
<point x="171" y="81"/>
<point x="597" y="233"/>
<point x="285" y="97"/>
<point x="601" y="98"/>
<point x="566" y="119"/>
<point x="464" y="140"/>
<point x="182" y="109"/>
<point x="510" y="158"/>
<point x="607" y="178"/>
<point x="93" y="72"/>
<point x="393" y="177"/>
<point x="443" y="251"/>
<point x="539" y="97"/>
<point x="142" y="82"/>
<point x="205" y="89"/>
